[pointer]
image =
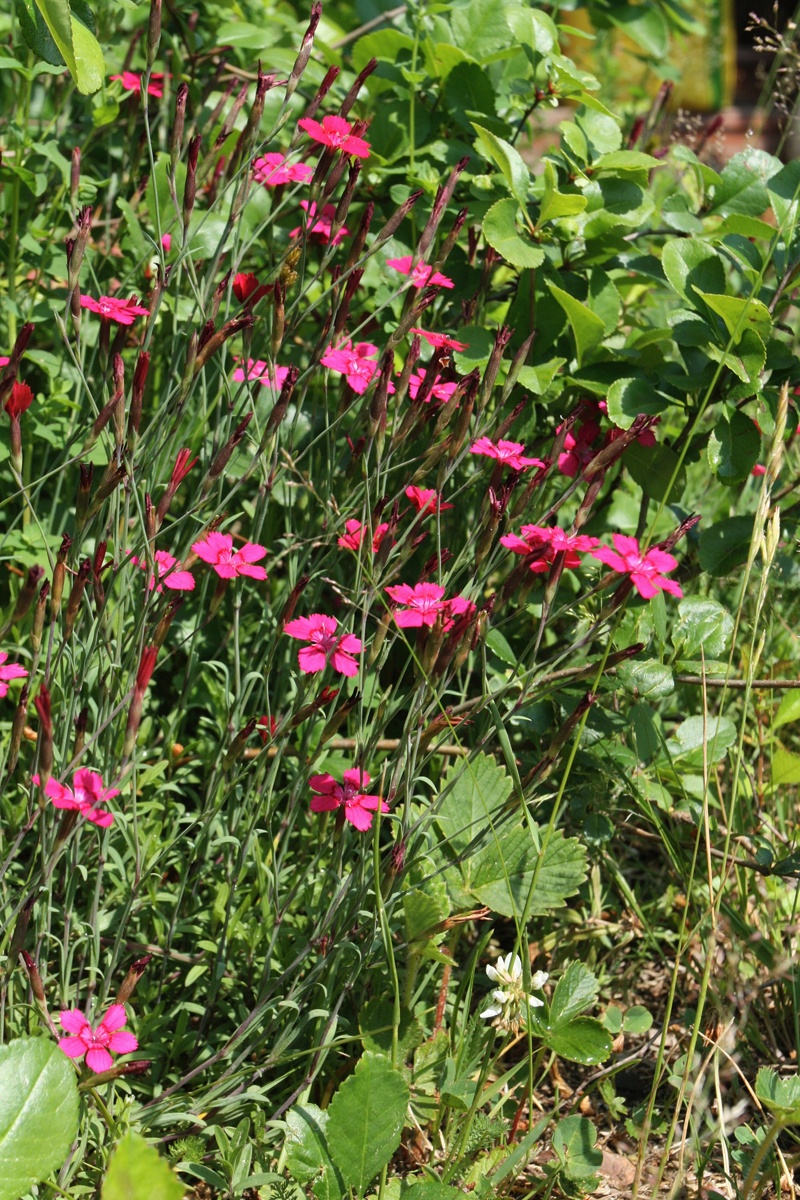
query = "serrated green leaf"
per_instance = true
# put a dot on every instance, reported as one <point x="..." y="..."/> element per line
<point x="375" y="1021"/>
<point x="648" y="680"/>
<point x="704" y="622"/>
<point x="739" y="313"/>
<point x="717" y="734"/>
<point x="307" y="1154"/>
<point x="77" y="45"/>
<point x="504" y="875"/>
<point x="785" y="767"/>
<point x="780" y="1095"/>
<point x="628" y="397"/>
<point x="366" y="1119"/>
<point x="692" y="266"/>
<point x="137" y="1172"/>
<point x="500" y="231"/>
<point x="581" y="1040"/>
<point x="575" y="991"/>
<point x="479" y="791"/>
<point x="587" y="329"/>
<point x="38" y="1113"/>
<point x="742" y="186"/>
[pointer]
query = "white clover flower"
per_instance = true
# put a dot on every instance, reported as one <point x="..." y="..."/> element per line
<point x="510" y="1000"/>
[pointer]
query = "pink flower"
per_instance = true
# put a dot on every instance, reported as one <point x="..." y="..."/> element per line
<point x="258" y="369"/>
<point x="132" y="82"/>
<point x="426" y="500"/>
<point x="12" y="671"/>
<point x="335" y="132"/>
<point x="645" y="570"/>
<point x="272" y="169"/>
<point x="354" y="362"/>
<point x="759" y="469"/>
<point x="177" y="581"/>
<point x="505" y="452"/>
<point x="355" y="535"/>
<point x="96" y="1043"/>
<point x="549" y="541"/>
<point x="578" y="448"/>
<point x="358" y="807"/>
<point x="325" y="646"/>
<point x="166" y="242"/>
<point x="439" y="391"/>
<point x="246" y="287"/>
<point x="322" y="226"/>
<point x="86" y="793"/>
<point x="440" y="341"/>
<point x="420" y="605"/>
<point x="217" y="550"/>
<point x="4" y="360"/>
<point x="267" y="726"/>
<point x="422" y="275"/>
<point x="111" y="308"/>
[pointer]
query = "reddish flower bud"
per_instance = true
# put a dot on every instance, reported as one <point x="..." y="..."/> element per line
<point x="20" y="400"/>
<point x="247" y="289"/>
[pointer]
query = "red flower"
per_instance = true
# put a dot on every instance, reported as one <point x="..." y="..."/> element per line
<point x="335" y="132"/>
<point x="646" y="570"/>
<point x="355" y="535"/>
<point x="96" y="1043"/>
<point x="325" y="646"/>
<point x="258" y="369"/>
<point x="547" y="542"/>
<point x="440" y="341"/>
<point x="358" y="806"/>
<point x="426" y="500"/>
<point x="273" y="169"/>
<point x="505" y="452"/>
<point x="322" y="226"/>
<point x="422" y="275"/>
<point x="19" y="401"/>
<point x="132" y="82"/>
<point x="266" y="726"/>
<point x="247" y="287"/>
<point x="165" y="576"/>
<point x="111" y="308"/>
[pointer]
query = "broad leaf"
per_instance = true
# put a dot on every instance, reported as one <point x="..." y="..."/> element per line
<point x="500" y="231"/>
<point x="693" y="266"/>
<point x="587" y="329"/>
<point x="739" y="313"/>
<point x="478" y="793"/>
<point x="575" y="991"/>
<point x="77" y="45"/>
<point x="646" y="680"/>
<point x="137" y="1172"/>
<point x="788" y="709"/>
<point x="574" y="1141"/>
<point x="307" y="1155"/>
<point x="375" y="1022"/>
<point x="701" y="622"/>
<point x="733" y="447"/>
<point x="510" y="161"/>
<point x="724" y="546"/>
<point x="38" y="1113"/>
<point x="556" y="204"/>
<point x="780" y="1095"/>
<point x="718" y="734"/>
<point x="629" y="397"/>
<point x="785" y="768"/>
<point x="366" y="1119"/>
<point x="742" y="187"/>
<point x="581" y="1040"/>
<point x="507" y="867"/>
<point x="654" y="468"/>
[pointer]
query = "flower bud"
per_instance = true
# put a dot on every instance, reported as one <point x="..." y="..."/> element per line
<point x="17" y="728"/>
<point x="75" y="175"/>
<point x="38" y="616"/>
<point x="144" y="673"/>
<point x="75" y="596"/>
<point x="44" y="742"/>
<point x="137" y="393"/>
<point x="190" y="186"/>
<point x="59" y="575"/>
<point x="222" y="457"/>
<point x="176" y="141"/>
<point x="135" y="973"/>
<point x="153" y="33"/>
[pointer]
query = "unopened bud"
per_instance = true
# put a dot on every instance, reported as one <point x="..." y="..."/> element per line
<point x="75" y="596"/>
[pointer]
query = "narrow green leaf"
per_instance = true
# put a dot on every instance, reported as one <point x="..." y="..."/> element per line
<point x="38" y="1113"/>
<point x="587" y="329"/>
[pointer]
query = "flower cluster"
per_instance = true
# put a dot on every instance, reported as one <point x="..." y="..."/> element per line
<point x="510" y="1001"/>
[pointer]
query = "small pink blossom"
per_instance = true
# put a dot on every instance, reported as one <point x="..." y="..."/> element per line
<point x="439" y="391"/>
<point x="176" y="581"/>
<point x="646" y="570"/>
<point x="166" y="242"/>
<point x="321" y="226"/>
<point x="356" y="363"/>
<point x="96" y="1043"/>
<point x="548" y="541"/>
<point x="217" y="550"/>
<point x="422" y="275"/>
<point x="326" y="647"/>
<point x="759" y="469"/>
<point x="111" y="308"/>
<point x="267" y="726"/>
<point x="132" y="82"/>
<point x="578" y="448"/>
<point x="419" y="605"/>
<point x="426" y="500"/>
<point x="352" y="539"/>
<point x="272" y="170"/>
<point x="509" y="453"/>
<point x="258" y="370"/>
<point x="359" y="807"/>
<point x="86" y="793"/>
<point x="440" y="341"/>
<point x="9" y="671"/>
<point x="335" y="132"/>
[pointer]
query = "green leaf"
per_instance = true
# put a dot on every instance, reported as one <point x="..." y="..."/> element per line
<point x="701" y="622"/>
<point x="509" y="160"/>
<point x="307" y="1155"/>
<point x="574" y="1141"/>
<point x="788" y="709"/>
<point x="78" y="46"/>
<point x="693" y="266"/>
<point x="587" y="328"/>
<point x="742" y="187"/>
<point x="629" y="397"/>
<point x="38" y="1113"/>
<point x="500" y="231"/>
<point x="646" y="680"/>
<point x="469" y="90"/>
<point x="746" y="359"/>
<point x="137" y="1172"/>
<point x="375" y="1020"/>
<point x="739" y="313"/>
<point x="538" y="379"/>
<point x="431" y="1190"/>
<point x="575" y="991"/>
<point x="733" y="447"/>
<point x="785" y="768"/>
<point x="652" y="467"/>
<point x="718" y="734"/>
<point x="533" y="29"/>
<point x="366" y="1119"/>
<point x="780" y="1095"/>
<point x="784" y="193"/>
<point x="478" y="793"/>
<point x="724" y="546"/>
<point x="479" y="28"/>
<point x="638" y="1019"/>
<point x="581" y="1040"/>
<point x="556" y="204"/>
<point x="645" y="25"/>
<point x="505" y="872"/>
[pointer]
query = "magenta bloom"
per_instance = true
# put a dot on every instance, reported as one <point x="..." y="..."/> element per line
<point x="11" y="671"/>
<point x="217" y="550"/>
<point x="422" y="275"/>
<point x="440" y="341"/>
<point x="258" y="370"/>
<point x="176" y="581"/>
<point x="272" y="169"/>
<point x="247" y="288"/>
<point x="132" y="82"/>
<point x="358" y="807"/>
<point x="335" y="132"/>
<point x="505" y="452"/>
<point x="96" y="1043"/>
<point x="426" y="500"/>
<point x="646" y="570"/>
<point x="356" y="363"/>
<point x="420" y="605"/>
<point x="355" y="535"/>
<point x="439" y="391"/>
<point x="86" y="793"/>
<point x="322" y="226"/>
<point x="547" y="542"/>
<point x="325" y="647"/>
<point x="111" y="308"/>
